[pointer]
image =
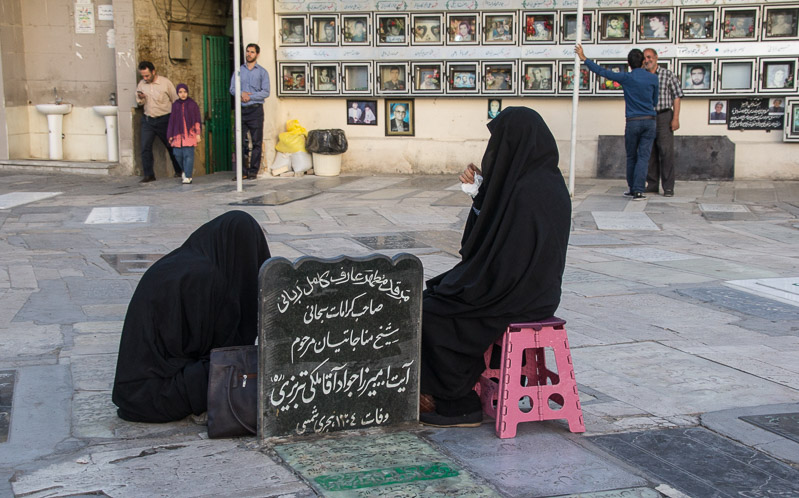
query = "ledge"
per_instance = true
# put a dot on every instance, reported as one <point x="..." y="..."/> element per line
<point x="48" y="166"/>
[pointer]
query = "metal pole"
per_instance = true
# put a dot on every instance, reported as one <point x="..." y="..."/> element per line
<point x="577" y="78"/>
<point x="237" y="96"/>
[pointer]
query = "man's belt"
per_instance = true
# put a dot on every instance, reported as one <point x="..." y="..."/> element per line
<point x="663" y="110"/>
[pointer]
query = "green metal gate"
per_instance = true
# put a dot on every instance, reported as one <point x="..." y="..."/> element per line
<point x="218" y="126"/>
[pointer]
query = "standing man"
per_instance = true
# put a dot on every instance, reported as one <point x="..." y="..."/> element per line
<point x="640" y="97"/>
<point x="254" y="90"/>
<point x="661" y="162"/>
<point x="156" y="93"/>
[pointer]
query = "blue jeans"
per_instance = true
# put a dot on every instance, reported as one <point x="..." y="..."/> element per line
<point x="185" y="156"/>
<point x="638" y="138"/>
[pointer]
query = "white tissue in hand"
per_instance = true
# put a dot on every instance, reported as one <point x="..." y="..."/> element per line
<point x="472" y="188"/>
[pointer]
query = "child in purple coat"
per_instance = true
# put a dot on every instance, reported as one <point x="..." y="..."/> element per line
<point x="185" y="125"/>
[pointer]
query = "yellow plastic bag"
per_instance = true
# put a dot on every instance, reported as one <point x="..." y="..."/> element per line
<point x="293" y="139"/>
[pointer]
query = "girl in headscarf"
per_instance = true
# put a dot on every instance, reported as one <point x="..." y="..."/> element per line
<point x="201" y="296"/>
<point x="513" y="254"/>
<point x="183" y="131"/>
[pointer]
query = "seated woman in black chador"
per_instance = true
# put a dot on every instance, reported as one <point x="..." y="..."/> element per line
<point x="513" y="254"/>
<point x="201" y="296"/>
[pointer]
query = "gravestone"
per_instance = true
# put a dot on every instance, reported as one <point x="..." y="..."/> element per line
<point x="339" y="343"/>
<point x="752" y="114"/>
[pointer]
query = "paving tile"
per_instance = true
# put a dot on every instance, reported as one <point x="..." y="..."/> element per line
<point x="594" y="239"/>
<point x="329" y="247"/>
<point x="13" y="199"/>
<point x="723" y="208"/>
<point x="743" y="302"/>
<point x="783" y="424"/>
<point x="131" y="263"/>
<point x="7" y="381"/>
<point x="785" y="289"/>
<point x="610" y="220"/>
<point x="646" y="254"/>
<point x="123" y="214"/>
<point x="719" y="269"/>
<point x="277" y="198"/>
<point x="382" y="242"/>
<point x="603" y="203"/>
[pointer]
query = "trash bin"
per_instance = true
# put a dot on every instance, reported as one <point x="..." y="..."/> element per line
<point x="326" y="147"/>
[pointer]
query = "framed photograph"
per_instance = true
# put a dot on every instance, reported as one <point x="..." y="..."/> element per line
<point x="392" y="29"/>
<point x="399" y="118"/>
<point x="294" y="78"/>
<point x="780" y="23"/>
<point x="614" y="27"/>
<point x="462" y="29"/>
<point x="718" y="112"/>
<point x="537" y="77"/>
<point x="499" y="28"/>
<point x="738" y="24"/>
<point x="736" y="76"/>
<point x="606" y="86"/>
<point x="567" y="78"/>
<point x="427" y="77"/>
<point x="696" y="76"/>
<point x="568" y="27"/>
<point x="791" y="124"/>
<point x="357" y="29"/>
<point x="356" y="78"/>
<point x="292" y="30"/>
<point x="539" y="27"/>
<point x="795" y="119"/>
<point x="427" y="29"/>
<point x="324" y="30"/>
<point x="698" y="25"/>
<point x="494" y="108"/>
<point x="362" y="112"/>
<point x="462" y="77"/>
<point x="325" y="78"/>
<point x="498" y="77"/>
<point x="654" y="25"/>
<point x="392" y="77"/>
<point x="776" y="106"/>
<point x="777" y="75"/>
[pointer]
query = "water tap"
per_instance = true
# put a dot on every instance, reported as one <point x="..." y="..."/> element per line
<point x="113" y="98"/>
<point x="58" y="99"/>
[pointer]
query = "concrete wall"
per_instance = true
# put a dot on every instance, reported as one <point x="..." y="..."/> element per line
<point x="14" y="118"/>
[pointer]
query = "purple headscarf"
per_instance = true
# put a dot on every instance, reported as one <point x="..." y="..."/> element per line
<point x="183" y="111"/>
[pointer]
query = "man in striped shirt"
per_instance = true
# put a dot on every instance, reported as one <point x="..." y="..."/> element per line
<point x="661" y="161"/>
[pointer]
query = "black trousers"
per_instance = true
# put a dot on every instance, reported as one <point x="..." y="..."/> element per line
<point x="252" y="121"/>
<point x="150" y="129"/>
<point x="661" y="161"/>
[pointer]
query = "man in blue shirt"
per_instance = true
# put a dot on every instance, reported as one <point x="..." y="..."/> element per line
<point x="640" y="98"/>
<point x="254" y="90"/>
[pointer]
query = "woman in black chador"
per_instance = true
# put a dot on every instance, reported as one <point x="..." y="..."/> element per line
<point x="513" y="253"/>
<point x="201" y="296"/>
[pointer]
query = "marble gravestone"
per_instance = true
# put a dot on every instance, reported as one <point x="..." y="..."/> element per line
<point x="339" y="342"/>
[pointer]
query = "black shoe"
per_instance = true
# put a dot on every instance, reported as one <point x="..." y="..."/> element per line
<point x="628" y="194"/>
<point x="433" y="419"/>
<point x="638" y="196"/>
<point x="147" y="179"/>
<point x="668" y="193"/>
<point x="243" y="177"/>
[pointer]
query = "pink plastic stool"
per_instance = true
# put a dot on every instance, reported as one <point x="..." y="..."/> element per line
<point x="501" y="400"/>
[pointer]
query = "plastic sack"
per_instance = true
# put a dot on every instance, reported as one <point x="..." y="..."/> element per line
<point x="326" y="142"/>
<point x="282" y="161"/>
<point x="301" y="161"/>
<point x="293" y="139"/>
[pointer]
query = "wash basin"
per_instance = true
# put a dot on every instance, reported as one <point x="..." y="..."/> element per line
<point x="105" y="110"/>
<point x="54" y="108"/>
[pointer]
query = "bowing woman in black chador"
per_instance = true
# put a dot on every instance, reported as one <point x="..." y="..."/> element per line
<point x="513" y="255"/>
<point x="201" y="296"/>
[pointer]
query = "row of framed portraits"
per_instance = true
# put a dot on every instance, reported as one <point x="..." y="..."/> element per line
<point x="667" y="25"/>
<point x="697" y="76"/>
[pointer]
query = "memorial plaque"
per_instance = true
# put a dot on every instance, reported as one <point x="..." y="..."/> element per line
<point x="339" y="343"/>
<point x="752" y="114"/>
<point x="784" y="424"/>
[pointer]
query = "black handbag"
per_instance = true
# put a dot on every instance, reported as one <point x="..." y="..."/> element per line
<point x="233" y="392"/>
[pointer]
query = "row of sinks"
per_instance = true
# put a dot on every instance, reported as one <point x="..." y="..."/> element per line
<point x="55" y="114"/>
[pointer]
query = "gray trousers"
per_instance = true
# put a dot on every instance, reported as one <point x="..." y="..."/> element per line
<point x="661" y="161"/>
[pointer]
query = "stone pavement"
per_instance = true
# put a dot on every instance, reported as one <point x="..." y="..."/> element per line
<point x="683" y="317"/>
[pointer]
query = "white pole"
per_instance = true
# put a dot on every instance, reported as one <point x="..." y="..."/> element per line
<point x="577" y="78"/>
<point x="237" y="96"/>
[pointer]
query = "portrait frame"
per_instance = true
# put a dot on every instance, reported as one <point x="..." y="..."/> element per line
<point x="773" y="29"/>
<point x="499" y="28"/>
<point x="287" y="36"/>
<point x="697" y="25"/>
<point x="454" y="20"/>
<point x="568" y="27"/>
<point x="736" y="76"/>
<point x="712" y="109"/>
<point x="385" y="80"/>
<point x="539" y="28"/>
<point x="647" y="33"/>
<point x="492" y="72"/>
<point x="392" y="29"/>
<point x="351" y="34"/>
<point x="737" y="20"/>
<point x="620" y="32"/>
<point x="685" y="74"/>
<point x="791" y="124"/>
<point x="428" y="77"/>
<point x="362" y="105"/>
<point x="462" y="78"/>
<point x="543" y="83"/>
<point x="424" y="28"/>
<point x="356" y="78"/>
<point x="320" y="32"/>
<point x="772" y="104"/>
<point x="325" y="78"/>
<point x="489" y="111"/>
<point x="605" y="86"/>
<point x="769" y="73"/>
<point x="408" y="119"/>
<point x="294" y="78"/>
<point x="566" y="77"/>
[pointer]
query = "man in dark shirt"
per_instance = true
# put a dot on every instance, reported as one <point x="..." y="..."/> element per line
<point x="640" y="97"/>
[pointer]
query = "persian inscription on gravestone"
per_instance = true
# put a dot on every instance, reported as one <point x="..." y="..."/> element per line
<point x="339" y="343"/>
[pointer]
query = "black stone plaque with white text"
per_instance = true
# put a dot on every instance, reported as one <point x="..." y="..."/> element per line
<point x="752" y="114"/>
<point x="339" y="343"/>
